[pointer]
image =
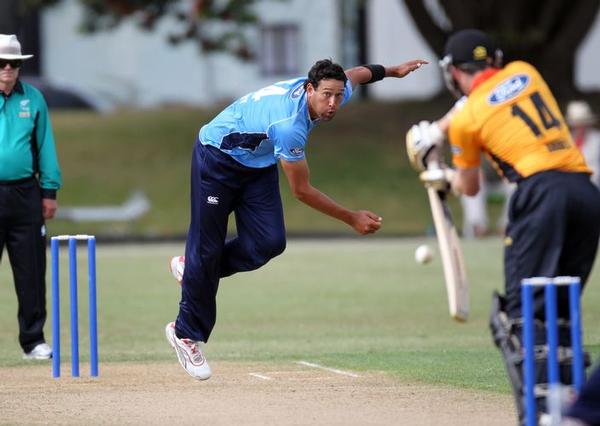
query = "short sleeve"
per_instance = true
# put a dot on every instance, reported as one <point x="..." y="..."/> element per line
<point x="347" y="92"/>
<point x="288" y="141"/>
<point x="462" y="136"/>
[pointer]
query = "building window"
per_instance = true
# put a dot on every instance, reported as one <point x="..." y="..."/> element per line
<point x="279" y="53"/>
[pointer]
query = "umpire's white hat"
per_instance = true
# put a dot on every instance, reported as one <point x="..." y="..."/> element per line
<point x="579" y="113"/>
<point x="10" y="48"/>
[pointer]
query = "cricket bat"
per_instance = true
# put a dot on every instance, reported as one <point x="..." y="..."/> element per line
<point x="455" y="275"/>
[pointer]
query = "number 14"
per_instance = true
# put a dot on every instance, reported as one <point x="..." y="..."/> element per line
<point x="548" y="119"/>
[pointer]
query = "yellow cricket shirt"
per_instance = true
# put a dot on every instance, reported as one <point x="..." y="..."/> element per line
<point x="514" y="119"/>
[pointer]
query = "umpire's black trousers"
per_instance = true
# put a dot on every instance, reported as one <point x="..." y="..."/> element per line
<point x="23" y="233"/>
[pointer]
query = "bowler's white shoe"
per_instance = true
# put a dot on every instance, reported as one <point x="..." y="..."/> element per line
<point x="41" y="351"/>
<point x="177" y="265"/>
<point x="189" y="354"/>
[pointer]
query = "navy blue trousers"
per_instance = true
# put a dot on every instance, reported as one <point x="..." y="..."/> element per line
<point x="553" y="230"/>
<point x="221" y="186"/>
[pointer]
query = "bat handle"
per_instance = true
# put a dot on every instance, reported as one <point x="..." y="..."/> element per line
<point x="433" y="165"/>
<point x="433" y="159"/>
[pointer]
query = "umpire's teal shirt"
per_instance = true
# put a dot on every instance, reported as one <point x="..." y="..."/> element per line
<point x="26" y="140"/>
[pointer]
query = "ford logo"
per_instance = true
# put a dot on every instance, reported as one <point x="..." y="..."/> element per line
<point x="508" y="89"/>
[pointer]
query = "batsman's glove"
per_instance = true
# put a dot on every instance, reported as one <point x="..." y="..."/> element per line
<point x="421" y="139"/>
<point x="438" y="178"/>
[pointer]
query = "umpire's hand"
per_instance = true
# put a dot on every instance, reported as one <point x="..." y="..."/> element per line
<point x="49" y="207"/>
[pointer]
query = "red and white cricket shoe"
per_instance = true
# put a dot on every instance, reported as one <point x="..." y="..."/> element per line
<point x="189" y="354"/>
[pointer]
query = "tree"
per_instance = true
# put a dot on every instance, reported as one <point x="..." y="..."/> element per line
<point x="8" y="25"/>
<point x="215" y="25"/>
<point x="545" y="33"/>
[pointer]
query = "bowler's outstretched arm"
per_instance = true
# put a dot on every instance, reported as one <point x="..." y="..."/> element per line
<point x="297" y="173"/>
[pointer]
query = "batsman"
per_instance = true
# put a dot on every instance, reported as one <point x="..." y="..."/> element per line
<point x="509" y="114"/>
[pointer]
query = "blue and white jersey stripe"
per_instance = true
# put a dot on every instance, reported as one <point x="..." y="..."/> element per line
<point x="263" y="126"/>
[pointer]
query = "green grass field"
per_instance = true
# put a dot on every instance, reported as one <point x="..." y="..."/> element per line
<point x="358" y="304"/>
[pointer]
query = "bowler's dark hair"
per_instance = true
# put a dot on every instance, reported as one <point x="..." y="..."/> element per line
<point x="325" y="69"/>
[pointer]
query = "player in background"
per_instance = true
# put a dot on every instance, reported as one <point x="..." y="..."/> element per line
<point x="582" y="122"/>
<point x="510" y="114"/>
<point x="234" y="169"/>
<point x="476" y="221"/>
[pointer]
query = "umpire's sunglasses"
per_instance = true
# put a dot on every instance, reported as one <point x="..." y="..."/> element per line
<point x="14" y="63"/>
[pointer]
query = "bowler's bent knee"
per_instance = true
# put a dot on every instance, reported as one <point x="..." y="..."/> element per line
<point x="267" y="249"/>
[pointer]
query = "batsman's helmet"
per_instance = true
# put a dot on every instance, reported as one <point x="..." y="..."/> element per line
<point x="471" y="50"/>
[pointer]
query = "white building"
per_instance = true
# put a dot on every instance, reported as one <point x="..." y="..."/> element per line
<point x="132" y="67"/>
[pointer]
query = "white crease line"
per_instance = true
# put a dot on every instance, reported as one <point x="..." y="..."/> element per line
<point x="260" y="376"/>
<point x="333" y="370"/>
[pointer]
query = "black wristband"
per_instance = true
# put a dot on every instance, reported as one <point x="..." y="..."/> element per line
<point x="377" y="72"/>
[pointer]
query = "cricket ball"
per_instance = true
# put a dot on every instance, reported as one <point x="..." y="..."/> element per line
<point x="423" y="254"/>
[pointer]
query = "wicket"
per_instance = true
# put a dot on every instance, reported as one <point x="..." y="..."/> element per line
<point x="93" y="327"/>
<point x="527" y="291"/>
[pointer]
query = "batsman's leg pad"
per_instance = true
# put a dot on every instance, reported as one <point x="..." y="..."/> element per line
<point x="565" y="353"/>
<point x="508" y="340"/>
<point x="507" y="335"/>
<point x="565" y="363"/>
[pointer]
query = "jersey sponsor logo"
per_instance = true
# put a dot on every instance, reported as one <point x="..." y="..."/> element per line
<point x="298" y="91"/>
<point x="456" y="150"/>
<point x="211" y="199"/>
<point x="24" y="114"/>
<point x="508" y="89"/>
<point x="297" y="151"/>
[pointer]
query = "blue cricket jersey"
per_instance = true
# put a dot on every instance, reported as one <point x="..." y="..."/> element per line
<point x="263" y="126"/>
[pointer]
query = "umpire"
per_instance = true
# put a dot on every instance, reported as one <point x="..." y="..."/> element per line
<point x="29" y="178"/>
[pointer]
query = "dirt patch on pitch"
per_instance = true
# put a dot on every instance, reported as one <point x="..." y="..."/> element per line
<point x="249" y="394"/>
